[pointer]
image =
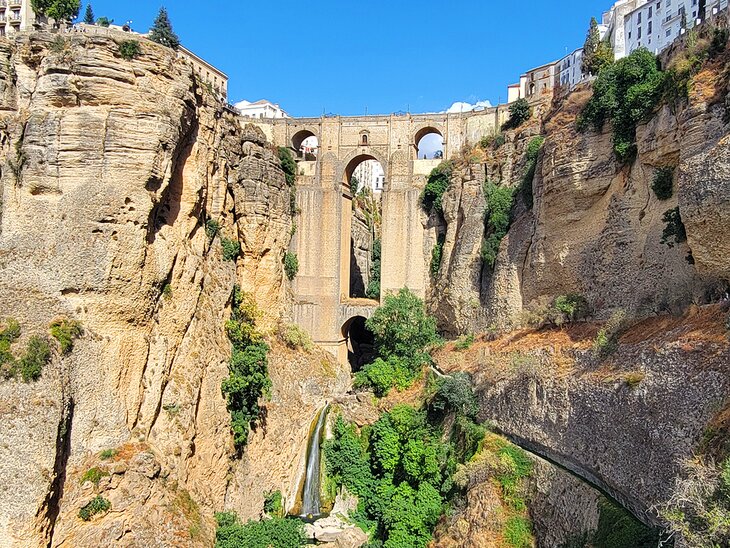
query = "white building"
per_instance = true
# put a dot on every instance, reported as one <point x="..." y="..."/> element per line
<point x="15" y="15"/>
<point x="260" y="109"/>
<point x="370" y="174"/>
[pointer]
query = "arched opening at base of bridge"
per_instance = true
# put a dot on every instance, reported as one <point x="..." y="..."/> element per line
<point x="429" y="144"/>
<point x="365" y="180"/>
<point x="305" y="145"/>
<point x="360" y="343"/>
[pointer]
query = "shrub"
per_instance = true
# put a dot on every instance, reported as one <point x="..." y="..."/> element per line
<point x="518" y="532"/>
<point x="291" y="265"/>
<point x="492" y="141"/>
<point x="8" y="335"/>
<point x="277" y="532"/>
<point x="274" y="504"/>
<point x="496" y="220"/>
<point x="674" y="231"/>
<point x="295" y="337"/>
<point x="231" y="249"/>
<point x="212" y="228"/>
<point x="572" y="307"/>
<point x="167" y="292"/>
<point x="663" y="182"/>
<point x="436" y="185"/>
<point x="464" y="342"/>
<point x="129" y="49"/>
<point x="97" y="505"/>
<point x="382" y="375"/>
<point x="93" y="475"/>
<point x="107" y="454"/>
<point x="718" y="43"/>
<point x="401" y="327"/>
<point x="288" y="165"/>
<point x="634" y="379"/>
<point x="606" y="342"/>
<point x="626" y="92"/>
<point x="437" y="255"/>
<point x="65" y="332"/>
<point x="373" y="289"/>
<point x="519" y="113"/>
<point x="619" y="529"/>
<point x="10" y="332"/>
<point x="37" y="355"/>
<point x="455" y="393"/>
<point x="532" y="153"/>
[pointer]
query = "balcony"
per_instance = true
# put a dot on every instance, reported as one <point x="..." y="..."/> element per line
<point x="3" y="3"/>
<point x="3" y="18"/>
<point x="14" y="17"/>
<point x="15" y="3"/>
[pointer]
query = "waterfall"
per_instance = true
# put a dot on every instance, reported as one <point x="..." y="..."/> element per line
<point x="310" y="497"/>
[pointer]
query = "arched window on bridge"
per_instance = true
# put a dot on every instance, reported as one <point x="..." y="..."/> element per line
<point x="365" y="180"/>
<point x="364" y="139"/>
<point x="305" y="145"/>
<point x="429" y="144"/>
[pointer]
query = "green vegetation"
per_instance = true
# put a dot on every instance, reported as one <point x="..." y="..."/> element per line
<point x="373" y="289"/>
<point x="496" y="219"/>
<point x="436" y="185"/>
<point x="532" y="153"/>
<point x="627" y="93"/>
<point x="8" y="335"/>
<point x="674" y="231"/>
<point x="519" y="113"/>
<point x="455" y="393"/>
<point x="97" y="505"/>
<point x="573" y="307"/>
<point x="663" y="182"/>
<point x="161" y="31"/>
<point x="94" y="475"/>
<point x="277" y="532"/>
<point x="718" y="44"/>
<point x="606" y="342"/>
<point x="104" y="21"/>
<point x="274" y="504"/>
<point x="295" y="337"/>
<point x="231" y="249"/>
<point x="493" y="141"/>
<point x="167" y="292"/>
<point x="382" y="375"/>
<point x="597" y="53"/>
<point x="37" y="355"/>
<point x="518" y="532"/>
<point x="288" y="165"/>
<point x="89" y="15"/>
<point x="248" y="379"/>
<point x="634" y="379"/>
<point x="437" y="254"/>
<point x="65" y="331"/>
<point x="464" y="342"/>
<point x="291" y="265"/>
<point x="129" y="49"/>
<point x="619" y="529"/>
<point x="354" y="185"/>
<point x="60" y="10"/>
<point x="107" y="454"/>
<point x="212" y="228"/>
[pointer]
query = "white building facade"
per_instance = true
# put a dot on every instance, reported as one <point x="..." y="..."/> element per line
<point x="260" y="109"/>
<point x="15" y="15"/>
<point x="370" y="174"/>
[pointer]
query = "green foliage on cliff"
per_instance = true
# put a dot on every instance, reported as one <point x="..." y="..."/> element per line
<point x="437" y="254"/>
<point x="373" y="289"/>
<point x="291" y="265"/>
<point x="129" y="49"/>
<point x="597" y="53"/>
<point x="277" y="532"/>
<point x="231" y="249"/>
<point x="519" y="113"/>
<point x="97" y="505"/>
<point x="619" y="529"/>
<point x="161" y="31"/>
<point x="455" y="393"/>
<point x="436" y="184"/>
<point x="65" y="331"/>
<point x="274" y="504"/>
<point x="674" y="231"/>
<point x="531" y="155"/>
<point x="626" y="93"/>
<point x="288" y="165"/>
<point x="496" y="219"/>
<point x="212" y="227"/>
<point x="248" y="381"/>
<point x="382" y="375"/>
<point x="30" y="365"/>
<point x="663" y="182"/>
<point x="59" y="10"/>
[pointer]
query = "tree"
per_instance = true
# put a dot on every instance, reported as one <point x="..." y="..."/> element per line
<point x="519" y="113"/>
<point x="104" y="21"/>
<point x="59" y="10"/>
<point x="161" y="31"/>
<point x="590" y="47"/>
<point x="89" y="15"/>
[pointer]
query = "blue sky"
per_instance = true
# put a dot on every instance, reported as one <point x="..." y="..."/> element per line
<point x="383" y="56"/>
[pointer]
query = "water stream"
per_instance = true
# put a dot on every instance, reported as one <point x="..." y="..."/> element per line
<point x="311" y="504"/>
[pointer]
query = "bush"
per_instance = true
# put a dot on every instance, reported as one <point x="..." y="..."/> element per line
<point x="455" y="393"/>
<point x="8" y="335"/>
<point x="436" y="186"/>
<point x="626" y="92"/>
<point x="519" y="113"/>
<point x="718" y="43"/>
<point x="231" y="249"/>
<point x="373" y="289"/>
<point x="674" y="231"/>
<point x="248" y="379"/>
<point x="93" y="475"/>
<point x="572" y="307"/>
<point x="65" y="332"/>
<point x="212" y="228"/>
<point x="518" y="532"/>
<point x="167" y="292"/>
<point x="129" y="49"/>
<point x="295" y="337"/>
<point x="107" y="454"/>
<point x="288" y="165"/>
<point x="97" y="505"/>
<point x="532" y="153"/>
<point x="402" y="328"/>
<point x="492" y="141"/>
<point x="606" y="342"/>
<point x="291" y="265"/>
<point x="496" y="220"/>
<point x="277" y="532"/>
<point x="663" y="182"/>
<point x="37" y="355"/>
<point x="464" y="342"/>
<point x="274" y="504"/>
<point x="382" y="375"/>
<point x="437" y="255"/>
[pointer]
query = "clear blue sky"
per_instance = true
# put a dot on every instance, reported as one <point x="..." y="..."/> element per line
<point x="386" y="55"/>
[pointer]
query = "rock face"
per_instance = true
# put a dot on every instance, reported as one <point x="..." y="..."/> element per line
<point x="110" y="170"/>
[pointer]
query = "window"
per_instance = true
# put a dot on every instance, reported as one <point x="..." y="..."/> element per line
<point x="658" y="6"/>
<point x="648" y="31"/>
<point x="650" y="10"/>
<point x="638" y="18"/>
<point x="364" y="138"/>
<point x="669" y="31"/>
<point x="629" y="35"/>
<point x="638" y="34"/>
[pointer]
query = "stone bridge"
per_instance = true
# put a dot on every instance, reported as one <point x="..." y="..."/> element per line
<point x="323" y="237"/>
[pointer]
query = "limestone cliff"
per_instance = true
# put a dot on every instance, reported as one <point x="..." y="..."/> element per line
<point x="110" y="170"/>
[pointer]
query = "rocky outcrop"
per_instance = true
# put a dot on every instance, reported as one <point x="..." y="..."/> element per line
<point x="111" y="169"/>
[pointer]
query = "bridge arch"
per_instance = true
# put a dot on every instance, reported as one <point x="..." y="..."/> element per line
<point x="354" y="159"/>
<point x="423" y="134"/>
<point x="360" y="342"/>
<point x="298" y="138"/>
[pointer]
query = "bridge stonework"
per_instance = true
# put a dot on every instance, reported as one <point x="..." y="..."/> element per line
<point x="322" y="240"/>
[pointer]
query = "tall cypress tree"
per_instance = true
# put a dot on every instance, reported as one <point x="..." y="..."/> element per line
<point x="590" y="48"/>
<point x="89" y="18"/>
<point x="162" y="33"/>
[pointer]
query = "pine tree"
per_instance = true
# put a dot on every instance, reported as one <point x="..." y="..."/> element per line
<point x="89" y="15"/>
<point x="590" y="47"/>
<point x="162" y="33"/>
